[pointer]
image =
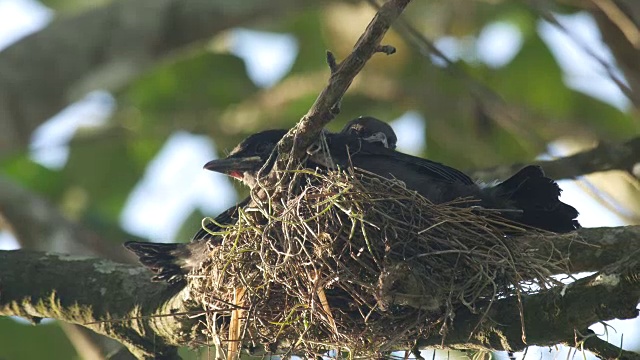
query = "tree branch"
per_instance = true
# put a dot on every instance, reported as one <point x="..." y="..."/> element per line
<point x="624" y="48"/>
<point x="342" y="74"/>
<point x="112" y="299"/>
<point x="604" y="157"/>
<point x="90" y="292"/>
<point x="558" y="315"/>
<point x="113" y="48"/>
<point x="605" y="350"/>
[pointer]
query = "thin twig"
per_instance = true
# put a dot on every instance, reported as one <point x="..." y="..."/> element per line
<point x="293" y="146"/>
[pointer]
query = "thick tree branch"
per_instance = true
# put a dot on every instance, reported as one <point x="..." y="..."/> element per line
<point x="117" y="43"/>
<point x="591" y="249"/>
<point x="605" y="350"/>
<point x="86" y="291"/>
<point x="559" y="315"/>
<point x="604" y="157"/>
<point x="111" y="299"/>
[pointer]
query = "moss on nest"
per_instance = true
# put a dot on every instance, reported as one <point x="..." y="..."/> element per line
<point x="351" y="261"/>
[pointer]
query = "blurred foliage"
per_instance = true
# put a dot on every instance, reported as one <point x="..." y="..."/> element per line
<point x="45" y="341"/>
<point x="74" y="6"/>
<point x="206" y="90"/>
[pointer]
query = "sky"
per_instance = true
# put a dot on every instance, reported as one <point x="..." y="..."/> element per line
<point x="175" y="183"/>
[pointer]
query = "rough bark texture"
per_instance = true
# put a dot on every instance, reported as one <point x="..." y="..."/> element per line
<point x="119" y="301"/>
<point x="560" y="315"/>
<point x="112" y="299"/>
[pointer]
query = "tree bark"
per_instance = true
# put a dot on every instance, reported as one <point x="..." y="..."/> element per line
<point x="112" y="299"/>
<point x="151" y="319"/>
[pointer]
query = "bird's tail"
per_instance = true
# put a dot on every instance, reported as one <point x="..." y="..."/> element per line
<point x="172" y="262"/>
<point x="169" y="262"/>
<point x="535" y="198"/>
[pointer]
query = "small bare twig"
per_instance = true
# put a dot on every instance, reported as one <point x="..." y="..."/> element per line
<point x="617" y="16"/>
<point x="294" y="144"/>
<point x="609" y="68"/>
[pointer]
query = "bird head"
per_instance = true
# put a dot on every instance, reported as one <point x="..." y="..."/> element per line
<point x="248" y="158"/>
<point x="372" y="130"/>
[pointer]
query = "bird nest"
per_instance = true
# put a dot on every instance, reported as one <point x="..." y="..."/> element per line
<point x="356" y="263"/>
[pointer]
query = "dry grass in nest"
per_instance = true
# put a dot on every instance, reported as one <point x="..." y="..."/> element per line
<point x="355" y="262"/>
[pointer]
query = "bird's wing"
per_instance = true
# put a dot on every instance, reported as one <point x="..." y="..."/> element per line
<point x="437" y="170"/>
<point x="434" y="170"/>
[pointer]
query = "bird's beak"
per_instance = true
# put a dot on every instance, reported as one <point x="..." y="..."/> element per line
<point x="235" y="166"/>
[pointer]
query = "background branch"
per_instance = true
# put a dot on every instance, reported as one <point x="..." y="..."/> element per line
<point x="604" y="157"/>
<point x="114" y="47"/>
<point x="38" y="225"/>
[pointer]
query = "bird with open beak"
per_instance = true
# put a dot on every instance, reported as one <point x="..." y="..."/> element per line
<point x="172" y="262"/>
<point x="528" y="197"/>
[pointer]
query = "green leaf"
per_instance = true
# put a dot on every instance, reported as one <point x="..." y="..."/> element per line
<point x="603" y="119"/>
<point x="308" y="29"/>
<point x="199" y="84"/>
<point x="33" y="176"/>
<point x="534" y="78"/>
<point x="106" y="166"/>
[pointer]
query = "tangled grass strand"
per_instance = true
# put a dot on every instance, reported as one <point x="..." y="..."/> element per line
<point x="353" y="262"/>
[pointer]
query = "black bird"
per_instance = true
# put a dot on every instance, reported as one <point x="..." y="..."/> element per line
<point x="252" y="154"/>
<point x="255" y="152"/>
<point x="172" y="262"/>
<point x="371" y="130"/>
<point x="528" y="197"/>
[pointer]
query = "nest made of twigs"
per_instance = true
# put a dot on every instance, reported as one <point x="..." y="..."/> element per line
<point x="357" y="263"/>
